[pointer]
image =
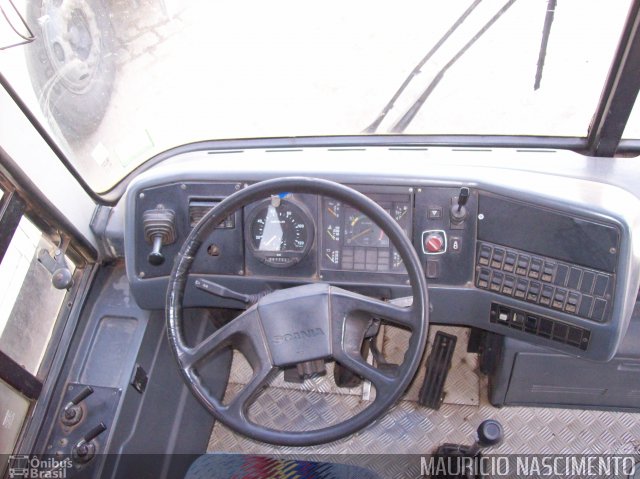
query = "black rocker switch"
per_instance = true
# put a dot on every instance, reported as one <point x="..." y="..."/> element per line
<point x="159" y="229"/>
<point x="458" y="211"/>
<point x="72" y="412"/>
<point x="85" y="450"/>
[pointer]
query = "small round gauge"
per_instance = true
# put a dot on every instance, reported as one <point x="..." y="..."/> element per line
<point x="361" y="231"/>
<point x="400" y="213"/>
<point x="333" y="207"/>
<point x="280" y="233"/>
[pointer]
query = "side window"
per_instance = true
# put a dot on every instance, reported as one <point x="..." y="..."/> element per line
<point x="29" y="308"/>
<point x="29" y="304"/>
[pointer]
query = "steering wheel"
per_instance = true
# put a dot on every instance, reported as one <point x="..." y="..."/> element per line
<point x="334" y="320"/>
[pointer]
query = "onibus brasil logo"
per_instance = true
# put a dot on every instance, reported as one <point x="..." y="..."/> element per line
<point x="33" y="467"/>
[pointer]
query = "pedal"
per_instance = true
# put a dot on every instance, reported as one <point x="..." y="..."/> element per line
<point x="345" y="378"/>
<point x="438" y="365"/>
<point x="303" y="371"/>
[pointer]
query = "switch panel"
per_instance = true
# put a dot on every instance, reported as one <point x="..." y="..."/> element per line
<point x="95" y="424"/>
<point x="438" y="237"/>
<point x="548" y="328"/>
<point x="545" y="281"/>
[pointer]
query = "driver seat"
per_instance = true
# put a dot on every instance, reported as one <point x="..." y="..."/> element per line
<point x="245" y="466"/>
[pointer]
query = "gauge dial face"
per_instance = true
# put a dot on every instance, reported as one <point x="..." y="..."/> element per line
<point x="280" y="233"/>
<point x="351" y="241"/>
<point x="361" y="231"/>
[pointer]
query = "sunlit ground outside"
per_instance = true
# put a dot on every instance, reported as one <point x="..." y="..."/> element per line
<point x="208" y="69"/>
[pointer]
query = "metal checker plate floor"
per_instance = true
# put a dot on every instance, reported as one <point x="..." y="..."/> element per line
<point x="409" y="428"/>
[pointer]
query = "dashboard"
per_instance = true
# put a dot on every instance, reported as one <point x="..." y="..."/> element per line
<point x="547" y="259"/>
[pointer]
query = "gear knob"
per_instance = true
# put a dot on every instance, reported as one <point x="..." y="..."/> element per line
<point x="490" y="433"/>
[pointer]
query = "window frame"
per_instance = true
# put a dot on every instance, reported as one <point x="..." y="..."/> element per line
<point x="21" y="198"/>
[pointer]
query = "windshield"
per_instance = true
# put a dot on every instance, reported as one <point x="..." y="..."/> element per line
<point x="117" y="81"/>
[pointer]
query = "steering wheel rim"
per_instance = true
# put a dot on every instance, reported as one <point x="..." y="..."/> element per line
<point x="388" y="389"/>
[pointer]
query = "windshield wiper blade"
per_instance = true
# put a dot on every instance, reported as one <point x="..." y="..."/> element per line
<point x="374" y="126"/>
<point x="408" y="117"/>
<point x="546" y="30"/>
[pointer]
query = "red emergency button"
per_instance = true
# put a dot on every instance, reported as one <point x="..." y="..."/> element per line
<point x="433" y="242"/>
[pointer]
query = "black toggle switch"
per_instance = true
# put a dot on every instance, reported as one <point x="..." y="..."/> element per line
<point x="85" y="449"/>
<point x="463" y="197"/>
<point x="458" y="211"/>
<point x="72" y="412"/>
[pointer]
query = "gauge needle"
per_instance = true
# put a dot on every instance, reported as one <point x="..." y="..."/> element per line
<point x="330" y="233"/>
<point x="404" y="212"/>
<point x="332" y="212"/>
<point x="269" y="242"/>
<point x="362" y="233"/>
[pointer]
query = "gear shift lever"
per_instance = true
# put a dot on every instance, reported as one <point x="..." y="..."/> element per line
<point x="489" y="434"/>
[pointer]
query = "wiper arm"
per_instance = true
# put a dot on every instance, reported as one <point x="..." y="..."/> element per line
<point x="374" y="126"/>
<point x="402" y="124"/>
<point x="546" y="30"/>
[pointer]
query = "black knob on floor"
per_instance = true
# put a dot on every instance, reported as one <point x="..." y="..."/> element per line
<point x="490" y="433"/>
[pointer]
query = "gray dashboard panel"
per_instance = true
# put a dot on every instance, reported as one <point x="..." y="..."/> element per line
<point x="602" y="190"/>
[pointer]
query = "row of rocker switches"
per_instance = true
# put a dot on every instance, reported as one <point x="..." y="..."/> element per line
<point x="557" y="273"/>
<point x="511" y="262"/>
<point x="574" y="297"/>
<point x="540" y="326"/>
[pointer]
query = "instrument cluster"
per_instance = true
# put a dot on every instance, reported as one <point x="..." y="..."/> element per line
<point x="350" y="241"/>
<point x="281" y="231"/>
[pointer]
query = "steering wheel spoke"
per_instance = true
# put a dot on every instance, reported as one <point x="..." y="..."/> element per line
<point x="241" y="402"/>
<point x="243" y="333"/>
<point x="383" y="382"/>
<point x="346" y="303"/>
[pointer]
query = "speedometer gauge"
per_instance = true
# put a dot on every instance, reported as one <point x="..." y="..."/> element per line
<point x="280" y="232"/>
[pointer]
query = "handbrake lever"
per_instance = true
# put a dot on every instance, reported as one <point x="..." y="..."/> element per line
<point x="224" y="292"/>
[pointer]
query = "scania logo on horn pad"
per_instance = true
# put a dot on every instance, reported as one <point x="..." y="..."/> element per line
<point x="307" y="333"/>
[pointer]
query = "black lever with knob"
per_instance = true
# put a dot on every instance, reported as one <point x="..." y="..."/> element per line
<point x="160" y="230"/>
<point x="489" y="433"/>
<point x="85" y="449"/>
<point x="224" y="292"/>
<point x="458" y="211"/>
<point x="72" y="412"/>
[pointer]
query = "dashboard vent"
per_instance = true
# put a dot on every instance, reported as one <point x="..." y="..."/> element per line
<point x="552" y="329"/>
<point x="199" y="208"/>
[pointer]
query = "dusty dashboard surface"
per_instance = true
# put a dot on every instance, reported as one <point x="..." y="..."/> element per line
<point x="550" y="263"/>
